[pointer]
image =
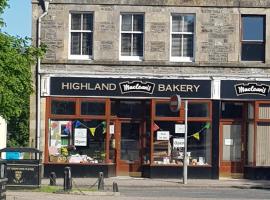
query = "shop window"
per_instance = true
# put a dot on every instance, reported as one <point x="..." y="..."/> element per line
<point x="59" y="107"/>
<point x="132" y="36"/>
<point x="262" y="144"/>
<point x="182" y="37"/>
<point x="231" y="110"/>
<point x="77" y="141"/>
<point x="264" y="111"/>
<point x="81" y="35"/>
<point x="253" y="38"/>
<point x="127" y="109"/>
<point x="169" y="146"/>
<point x="92" y="108"/>
<point x="198" y="109"/>
<point x="163" y="110"/>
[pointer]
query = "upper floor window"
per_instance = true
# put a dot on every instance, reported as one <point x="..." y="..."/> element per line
<point x="253" y="38"/>
<point x="81" y="35"/>
<point x="182" y="37"/>
<point x="132" y="36"/>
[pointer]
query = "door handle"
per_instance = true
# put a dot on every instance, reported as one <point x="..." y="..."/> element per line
<point x="242" y="147"/>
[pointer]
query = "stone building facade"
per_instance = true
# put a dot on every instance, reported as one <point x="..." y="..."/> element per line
<point x="219" y="58"/>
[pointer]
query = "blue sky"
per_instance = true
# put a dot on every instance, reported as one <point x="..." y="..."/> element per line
<point x="18" y="18"/>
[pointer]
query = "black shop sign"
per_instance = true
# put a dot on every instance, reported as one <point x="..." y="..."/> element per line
<point x="121" y="87"/>
<point x="231" y="89"/>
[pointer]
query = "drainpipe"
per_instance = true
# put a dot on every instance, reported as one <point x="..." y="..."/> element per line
<point x="38" y="81"/>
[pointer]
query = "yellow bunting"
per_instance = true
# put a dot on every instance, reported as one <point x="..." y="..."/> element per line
<point x="196" y="135"/>
<point x="92" y="131"/>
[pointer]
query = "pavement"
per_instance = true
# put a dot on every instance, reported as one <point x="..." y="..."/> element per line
<point x="131" y="182"/>
<point x="123" y="181"/>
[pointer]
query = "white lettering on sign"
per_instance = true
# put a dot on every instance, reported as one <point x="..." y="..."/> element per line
<point x="163" y="135"/>
<point x="178" y="88"/>
<point x="89" y="86"/>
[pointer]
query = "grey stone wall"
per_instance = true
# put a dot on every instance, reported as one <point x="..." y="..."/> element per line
<point x="217" y="35"/>
<point x="182" y="3"/>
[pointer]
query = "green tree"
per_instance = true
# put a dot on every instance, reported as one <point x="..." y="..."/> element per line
<point x="16" y="58"/>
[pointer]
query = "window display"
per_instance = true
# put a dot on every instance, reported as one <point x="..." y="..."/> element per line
<point x="77" y="141"/>
<point x="169" y="144"/>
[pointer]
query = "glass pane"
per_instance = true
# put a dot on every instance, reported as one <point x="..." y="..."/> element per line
<point x="93" y="148"/>
<point x="138" y="23"/>
<point x="171" y="152"/>
<point x="250" y="142"/>
<point x="126" y="44"/>
<point x="231" y="142"/>
<point x="93" y="108"/>
<point x="163" y="110"/>
<point x="137" y="44"/>
<point x="250" y="111"/>
<point x="176" y="45"/>
<point x="253" y="52"/>
<point x="176" y="23"/>
<point x="60" y="135"/>
<point x="130" y="145"/>
<point x="232" y="110"/>
<point x="188" y="46"/>
<point x="87" y="44"/>
<point x="75" y="48"/>
<point x="262" y="144"/>
<point x="188" y="23"/>
<point x="87" y="22"/>
<point x="198" y="110"/>
<point x="63" y="107"/>
<point x="126" y="22"/>
<point x="130" y="109"/>
<point x="199" y="143"/>
<point x="264" y="111"/>
<point x="253" y="27"/>
<point x="75" y="21"/>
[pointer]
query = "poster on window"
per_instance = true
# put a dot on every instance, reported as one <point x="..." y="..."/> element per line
<point x="178" y="142"/>
<point x="80" y="136"/>
<point x="163" y="135"/>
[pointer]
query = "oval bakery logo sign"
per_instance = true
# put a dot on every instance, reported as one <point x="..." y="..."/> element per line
<point x="137" y="86"/>
<point x="251" y="88"/>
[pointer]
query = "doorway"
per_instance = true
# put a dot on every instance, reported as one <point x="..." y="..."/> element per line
<point x="128" y="148"/>
<point x="232" y="139"/>
<point x="232" y="147"/>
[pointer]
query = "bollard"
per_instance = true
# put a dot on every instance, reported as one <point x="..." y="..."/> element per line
<point x="52" y="178"/>
<point x="67" y="179"/>
<point x="100" y="181"/>
<point x="115" y="187"/>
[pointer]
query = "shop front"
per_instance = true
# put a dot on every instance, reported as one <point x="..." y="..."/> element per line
<point x="245" y="129"/>
<point x="124" y="126"/>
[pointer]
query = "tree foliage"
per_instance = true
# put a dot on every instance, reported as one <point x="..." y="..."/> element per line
<point x="16" y="59"/>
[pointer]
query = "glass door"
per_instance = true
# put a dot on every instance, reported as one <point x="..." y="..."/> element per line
<point x="232" y="147"/>
<point x="129" y="148"/>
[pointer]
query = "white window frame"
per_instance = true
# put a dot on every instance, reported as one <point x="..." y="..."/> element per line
<point x="130" y="58"/>
<point x="182" y="58"/>
<point x="79" y="57"/>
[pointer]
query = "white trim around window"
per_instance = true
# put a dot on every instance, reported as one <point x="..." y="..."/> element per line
<point x="132" y="33"/>
<point x="81" y="32"/>
<point x="181" y="54"/>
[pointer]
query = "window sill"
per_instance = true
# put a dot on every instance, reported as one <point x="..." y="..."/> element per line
<point x="76" y="57"/>
<point x="181" y="59"/>
<point x="131" y="58"/>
